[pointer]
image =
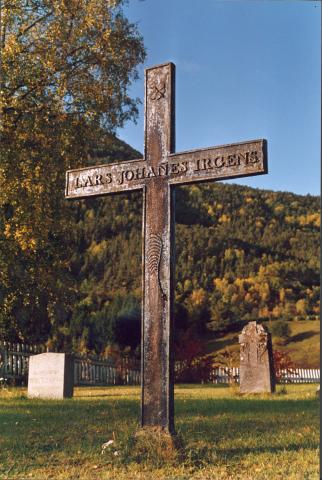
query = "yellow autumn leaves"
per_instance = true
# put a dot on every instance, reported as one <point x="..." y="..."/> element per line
<point x="65" y="70"/>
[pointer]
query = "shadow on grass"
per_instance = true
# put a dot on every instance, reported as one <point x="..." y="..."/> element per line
<point x="178" y="386"/>
<point x="301" y="336"/>
<point x="220" y="344"/>
<point x="195" y="386"/>
<point x="104" y="395"/>
<point x="240" y="452"/>
<point x="214" y="427"/>
<point x="78" y="406"/>
<point x="244" y="405"/>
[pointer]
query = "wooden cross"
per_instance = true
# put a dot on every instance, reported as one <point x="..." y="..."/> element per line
<point x="156" y="175"/>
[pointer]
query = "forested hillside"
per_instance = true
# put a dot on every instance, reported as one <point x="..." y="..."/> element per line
<point x="242" y="254"/>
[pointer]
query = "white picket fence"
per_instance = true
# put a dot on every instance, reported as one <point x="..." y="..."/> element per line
<point x="301" y="375"/>
<point x="224" y="375"/>
<point x="14" y="359"/>
<point x="106" y="372"/>
<point x="14" y="363"/>
<point x="295" y="375"/>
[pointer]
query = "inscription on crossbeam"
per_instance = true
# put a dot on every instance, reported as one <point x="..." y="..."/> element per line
<point x="228" y="161"/>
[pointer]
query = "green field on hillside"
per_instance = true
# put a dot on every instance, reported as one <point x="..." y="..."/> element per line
<point x="303" y="345"/>
<point x="223" y="436"/>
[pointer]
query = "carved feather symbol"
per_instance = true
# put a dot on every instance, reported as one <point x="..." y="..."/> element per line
<point x="154" y="252"/>
<point x="154" y="257"/>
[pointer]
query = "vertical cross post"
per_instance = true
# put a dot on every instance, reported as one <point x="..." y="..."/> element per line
<point x="158" y="251"/>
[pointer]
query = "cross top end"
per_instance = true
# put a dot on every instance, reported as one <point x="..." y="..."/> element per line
<point x="160" y="161"/>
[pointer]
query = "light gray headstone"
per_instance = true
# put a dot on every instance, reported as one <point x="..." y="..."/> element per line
<point x="256" y="360"/>
<point x="51" y="375"/>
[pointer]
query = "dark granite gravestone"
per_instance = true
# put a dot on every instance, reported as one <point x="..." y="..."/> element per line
<point x="157" y="175"/>
<point x="51" y="375"/>
<point x="256" y="360"/>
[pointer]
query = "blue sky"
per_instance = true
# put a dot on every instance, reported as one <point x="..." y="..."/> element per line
<point x="245" y="69"/>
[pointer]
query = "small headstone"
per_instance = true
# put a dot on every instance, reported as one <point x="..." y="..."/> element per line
<point x="256" y="360"/>
<point x="51" y="375"/>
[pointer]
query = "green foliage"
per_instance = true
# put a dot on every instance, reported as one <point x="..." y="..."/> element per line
<point x="66" y="67"/>
<point x="239" y="260"/>
<point x="118" y="321"/>
<point x="239" y="257"/>
<point x="281" y="329"/>
<point x="126" y="313"/>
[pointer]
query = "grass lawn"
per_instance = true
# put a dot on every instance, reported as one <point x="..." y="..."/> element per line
<point x="225" y="436"/>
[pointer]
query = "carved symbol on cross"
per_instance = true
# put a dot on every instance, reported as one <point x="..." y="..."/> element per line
<point x="158" y="91"/>
<point x="154" y="258"/>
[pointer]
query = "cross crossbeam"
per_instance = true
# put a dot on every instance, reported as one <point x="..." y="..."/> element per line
<point x="156" y="175"/>
<point x="195" y="166"/>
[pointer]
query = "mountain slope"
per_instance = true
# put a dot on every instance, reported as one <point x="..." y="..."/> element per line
<point x="242" y="254"/>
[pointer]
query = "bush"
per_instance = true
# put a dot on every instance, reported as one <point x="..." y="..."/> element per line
<point x="281" y="329"/>
<point x="282" y="364"/>
<point x="192" y="364"/>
